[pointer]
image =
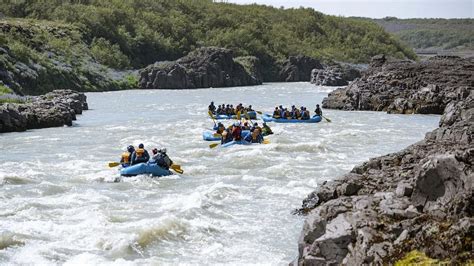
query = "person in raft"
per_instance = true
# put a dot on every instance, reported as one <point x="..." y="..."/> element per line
<point x="220" y="128"/>
<point x="266" y="130"/>
<point x="276" y="113"/>
<point x="212" y="108"/>
<point x="227" y="135"/>
<point x="237" y="131"/>
<point x="126" y="158"/>
<point x="140" y="155"/>
<point x="161" y="158"/>
<point x="318" y="110"/>
<point x="254" y="136"/>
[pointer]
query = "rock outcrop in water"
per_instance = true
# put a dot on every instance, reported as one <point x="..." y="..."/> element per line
<point x="56" y="108"/>
<point x="298" y="68"/>
<point x="420" y="198"/>
<point x="406" y="87"/>
<point x="202" y="68"/>
<point x="337" y="75"/>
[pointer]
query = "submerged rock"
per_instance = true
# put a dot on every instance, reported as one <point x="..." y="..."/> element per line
<point x="406" y="87"/>
<point x="202" y="68"/>
<point x="53" y="109"/>
<point x="420" y="198"/>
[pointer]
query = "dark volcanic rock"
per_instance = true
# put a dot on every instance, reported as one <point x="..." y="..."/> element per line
<point x="298" y="68"/>
<point x="202" y="68"/>
<point x="53" y="109"/>
<point x="420" y="198"/>
<point x="334" y="75"/>
<point x="406" y="87"/>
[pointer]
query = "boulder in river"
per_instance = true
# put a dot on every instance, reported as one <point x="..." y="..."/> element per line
<point x="54" y="109"/>
<point x="202" y="68"/>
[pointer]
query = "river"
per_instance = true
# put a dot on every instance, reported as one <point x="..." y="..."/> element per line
<point x="60" y="204"/>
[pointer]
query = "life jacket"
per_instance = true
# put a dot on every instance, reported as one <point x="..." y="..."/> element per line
<point x="139" y="153"/>
<point x="237" y="133"/>
<point x="276" y="114"/>
<point x="126" y="157"/>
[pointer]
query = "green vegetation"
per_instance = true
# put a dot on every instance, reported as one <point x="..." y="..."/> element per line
<point x="135" y="33"/>
<point x="433" y="34"/>
<point x="2" y="101"/>
<point x="418" y="258"/>
<point x="5" y="90"/>
<point x="44" y="55"/>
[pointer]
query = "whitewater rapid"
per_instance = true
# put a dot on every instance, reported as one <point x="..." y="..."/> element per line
<point x="60" y="205"/>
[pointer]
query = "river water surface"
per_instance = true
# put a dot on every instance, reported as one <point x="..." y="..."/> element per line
<point x="60" y="204"/>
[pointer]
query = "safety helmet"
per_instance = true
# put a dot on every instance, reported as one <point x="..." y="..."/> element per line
<point x="155" y="151"/>
<point x="130" y="148"/>
<point x="141" y="146"/>
<point x="255" y="124"/>
<point x="162" y="150"/>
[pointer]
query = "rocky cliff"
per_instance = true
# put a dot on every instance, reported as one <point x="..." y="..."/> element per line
<point x="298" y="68"/>
<point x="56" y="108"/>
<point x="420" y="198"/>
<point x="202" y="68"/>
<point x="336" y="75"/>
<point x="406" y="87"/>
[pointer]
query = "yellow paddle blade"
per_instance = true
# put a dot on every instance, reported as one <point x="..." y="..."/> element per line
<point x="258" y="112"/>
<point x="217" y="135"/>
<point x="211" y="115"/>
<point x="266" y="141"/>
<point x="177" y="168"/>
<point x="238" y="115"/>
<point x="213" y="145"/>
<point x="327" y="119"/>
<point x="113" y="164"/>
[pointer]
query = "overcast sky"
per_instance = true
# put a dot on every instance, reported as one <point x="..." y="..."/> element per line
<point x="380" y="8"/>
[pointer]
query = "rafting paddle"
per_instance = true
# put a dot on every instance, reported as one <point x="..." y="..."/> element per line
<point x="177" y="168"/>
<point x="113" y="164"/>
<point x="327" y="119"/>
<point x="212" y="117"/>
<point x="213" y="145"/>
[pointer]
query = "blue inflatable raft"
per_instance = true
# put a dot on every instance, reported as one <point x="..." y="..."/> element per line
<point x="209" y="135"/>
<point x="251" y="114"/>
<point x="144" y="169"/>
<point x="240" y="142"/>
<point x="269" y="118"/>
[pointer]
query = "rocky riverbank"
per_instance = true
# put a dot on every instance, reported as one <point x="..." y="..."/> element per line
<point x="336" y="75"/>
<point x="420" y="198"/>
<point x="406" y="87"/>
<point x="54" y="109"/>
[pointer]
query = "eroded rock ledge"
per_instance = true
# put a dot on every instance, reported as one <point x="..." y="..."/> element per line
<point x="419" y="198"/>
<point x="406" y="87"/>
<point x="54" y="109"/>
<point x="203" y="68"/>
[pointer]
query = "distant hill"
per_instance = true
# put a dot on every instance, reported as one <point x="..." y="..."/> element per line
<point x="432" y="35"/>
